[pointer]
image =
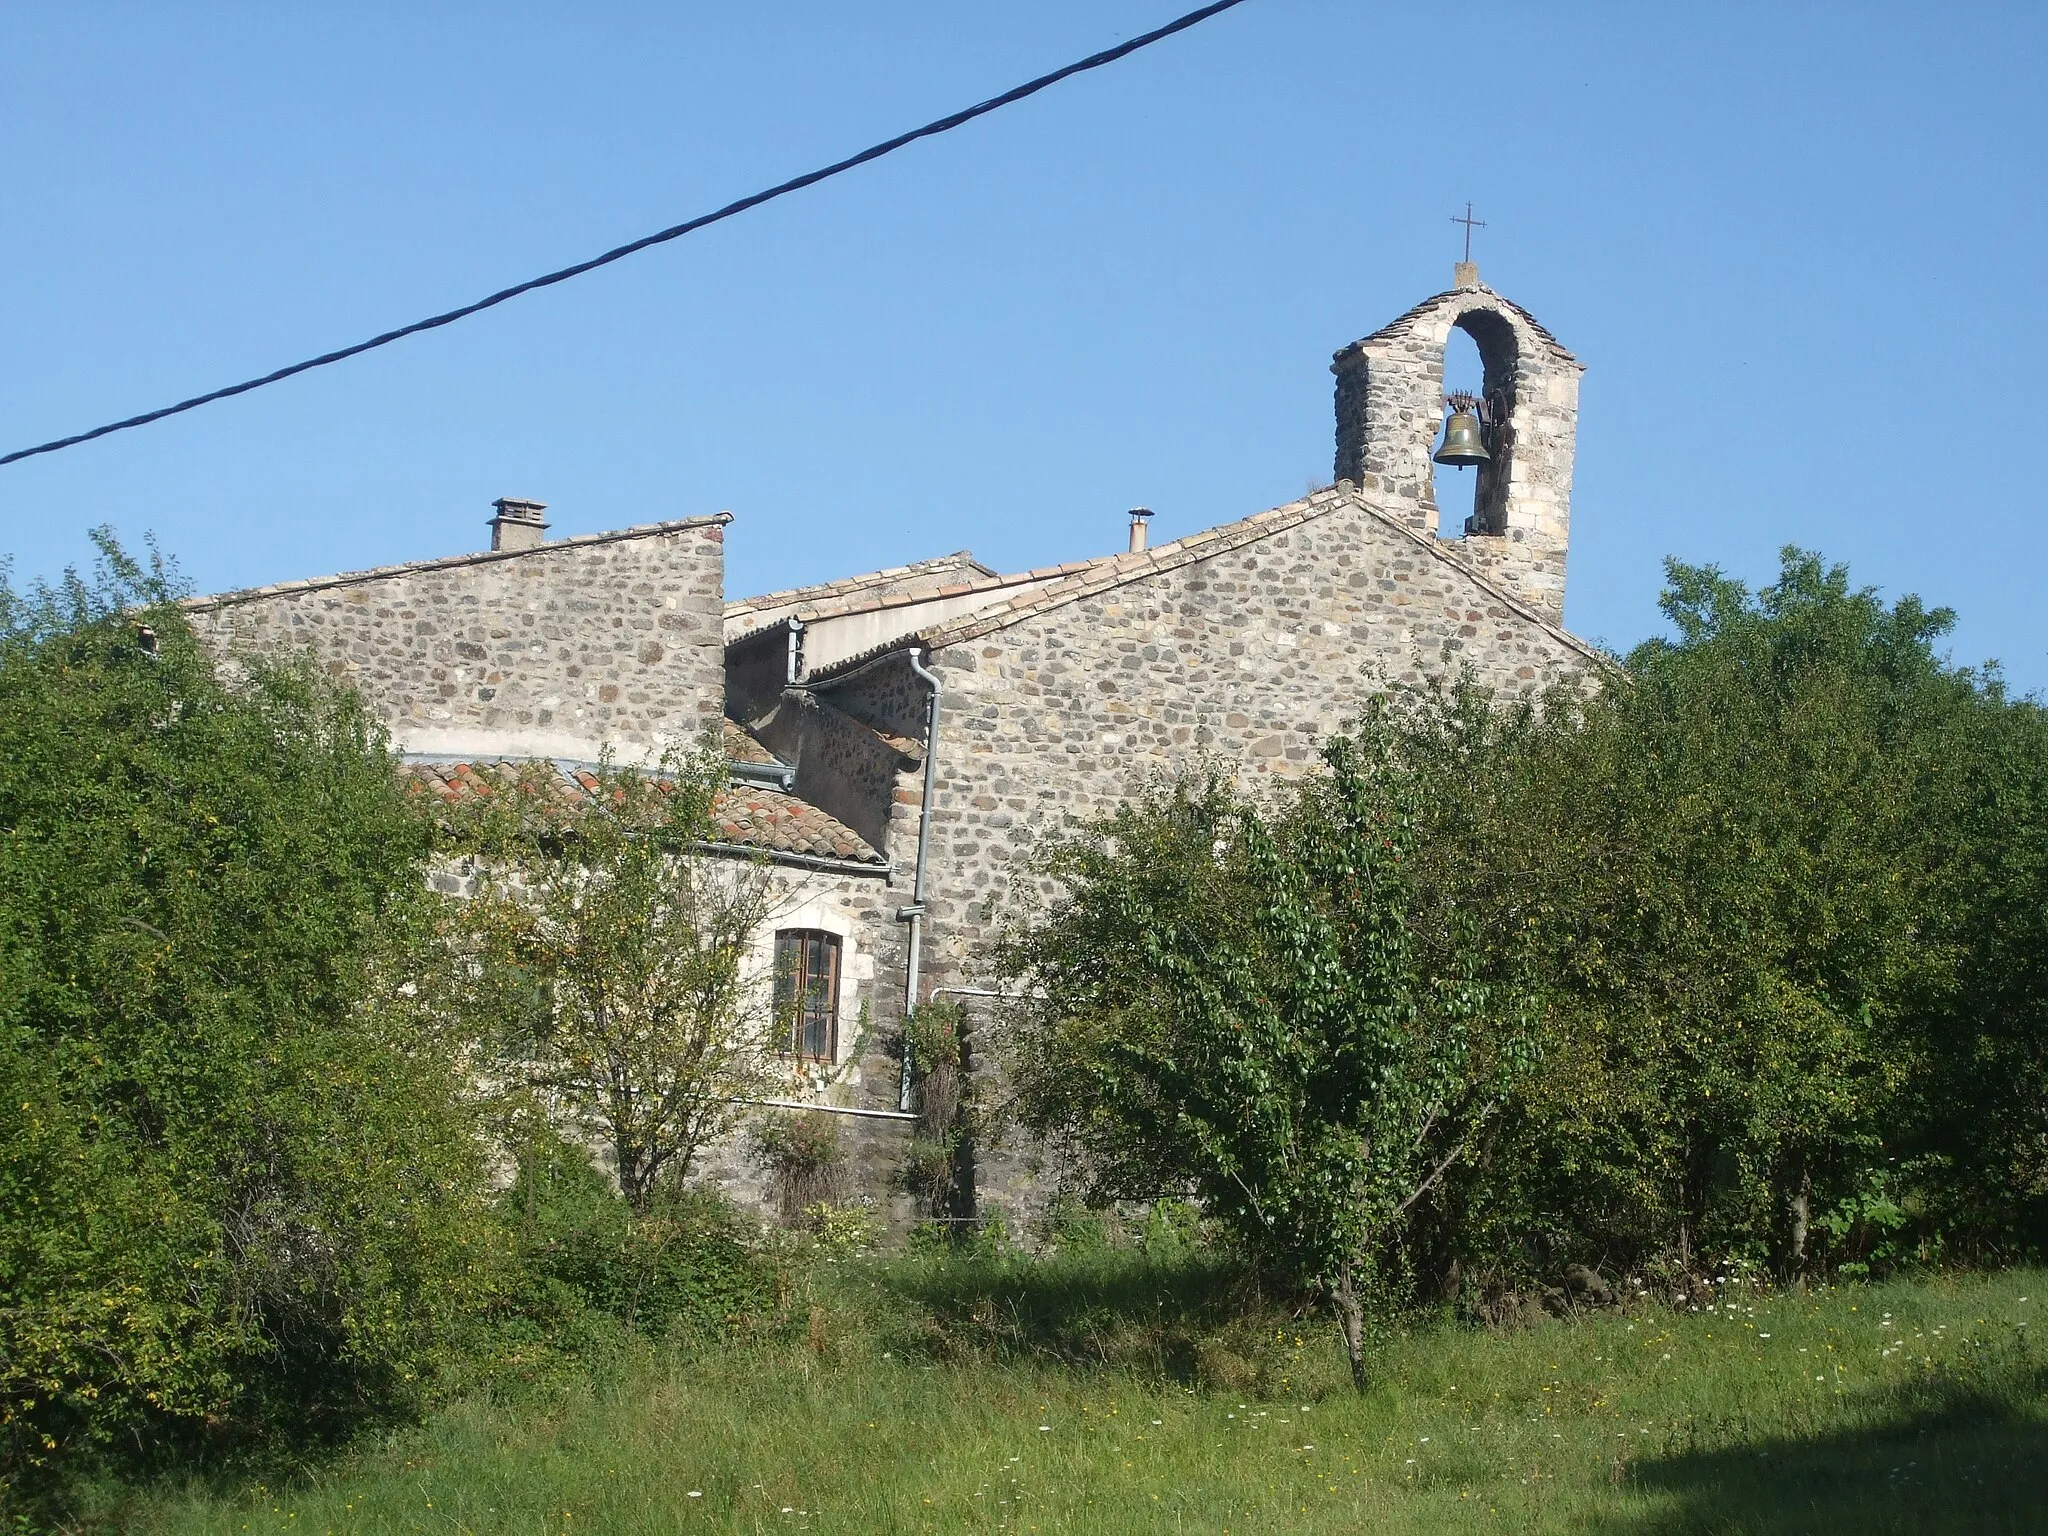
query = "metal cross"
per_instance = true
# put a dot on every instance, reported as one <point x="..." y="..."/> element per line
<point x="1470" y="224"/>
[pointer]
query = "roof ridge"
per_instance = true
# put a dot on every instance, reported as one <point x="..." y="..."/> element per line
<point x="447" y="562"/>
<point x="902" y="599"/>
<point x="1211" y="541"/>
<point x="788" y="595"/>
<point x="1112" y="571"/>
<point x="1399" y="321"/>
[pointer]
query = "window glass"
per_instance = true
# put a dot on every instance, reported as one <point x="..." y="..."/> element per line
<point x="807" y="993"/>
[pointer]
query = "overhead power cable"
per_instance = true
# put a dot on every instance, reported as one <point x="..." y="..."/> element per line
<point x="674" y="232"/>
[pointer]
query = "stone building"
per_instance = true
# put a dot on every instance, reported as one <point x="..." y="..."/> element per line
<point x="898" y="738"/>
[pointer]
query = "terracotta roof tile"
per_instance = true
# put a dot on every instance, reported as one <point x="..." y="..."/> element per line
<point x="741" y="747"/>
<point x="742" y="815"/>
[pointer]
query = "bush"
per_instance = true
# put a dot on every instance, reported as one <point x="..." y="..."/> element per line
<point x="241" y="1201"/>
<point x="803" y="1159"/>
<point x="688" y="1265"/>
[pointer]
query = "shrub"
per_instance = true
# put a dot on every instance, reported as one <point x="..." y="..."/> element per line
<point x="240" y="1195"/>
<point x="688" y="1264"/>
<point x="938" y="1168"/>
<point x="801" y="1155"/>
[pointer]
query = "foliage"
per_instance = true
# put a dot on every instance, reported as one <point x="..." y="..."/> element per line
<point x="938" y="1169"/>
<point x="687" y="1263"/>
<point x="609" y="967"/>
<point x="844" y="1230"/>
<point x="1228" y="1002"/>
<point x="1781" y="890"/>
<point x="803" y="1159"/>
<point x="240" y="1200"/>
<point x="1777" y="895"/>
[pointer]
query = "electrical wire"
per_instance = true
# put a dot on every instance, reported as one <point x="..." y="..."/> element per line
<point x="674" y="232"/>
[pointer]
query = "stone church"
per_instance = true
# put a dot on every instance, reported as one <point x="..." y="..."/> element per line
<point x="897" y="738"/>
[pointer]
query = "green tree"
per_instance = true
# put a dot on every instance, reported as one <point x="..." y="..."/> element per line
<point x="1777" y="886"/>
<point x="611" y="964"/>
<point x="239" y="1190"/>
<point x="1229" y="1002"/>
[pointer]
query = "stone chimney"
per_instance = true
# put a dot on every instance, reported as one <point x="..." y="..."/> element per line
<point x="1140" y="516"/>
<point x="518" y="524"/>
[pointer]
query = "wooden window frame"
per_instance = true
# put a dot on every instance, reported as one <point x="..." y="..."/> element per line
<point x="796" y="952"/>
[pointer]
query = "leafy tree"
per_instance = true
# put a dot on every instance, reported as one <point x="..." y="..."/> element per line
<point x="1777" y="888"/>
<point x="612" y="964"/>
<point x="1229" y="1002"/>
<point x="1776" y="892"/>
<point x="240" y="1195"/>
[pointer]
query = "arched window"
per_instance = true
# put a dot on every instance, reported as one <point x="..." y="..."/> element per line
<point x="1480" y="361"/>
<point x="807" y="993"/>
<point x="1464" y="373"/>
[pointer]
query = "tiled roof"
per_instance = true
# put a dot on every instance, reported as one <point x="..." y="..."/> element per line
<point x="778" y="823"/>
<point x="741" y="747"/>
<point x="847" y="586"/>
<point x="815" y="613"/>
<point x="450" y="562"/>
<point x="741" y="816"/>
<point x="1088" y="578"/>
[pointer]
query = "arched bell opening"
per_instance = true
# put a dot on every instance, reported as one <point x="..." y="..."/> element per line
<point x="1476" y="439"/>
<point x="1455" y="484"/>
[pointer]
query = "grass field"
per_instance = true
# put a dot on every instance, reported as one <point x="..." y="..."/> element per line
<point x="1110" y="1396"/>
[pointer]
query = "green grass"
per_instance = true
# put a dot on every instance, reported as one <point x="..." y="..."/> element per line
<point x="1071" y="1397"/>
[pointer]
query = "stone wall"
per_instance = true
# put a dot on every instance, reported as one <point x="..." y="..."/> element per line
<point x="843" y="767"/>
<point x="757" y="669"/>
<point x="554" y="651"/>
<point x="885" y="694"/>
<point x="1390" y="406"/>
<point x="859" y="909"/>
<point x="1253" y="655"/>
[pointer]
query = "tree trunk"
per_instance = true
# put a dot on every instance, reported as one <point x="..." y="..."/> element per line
<point x="632" y="1175"/>
<point x="1350" y="1321"/>
<point x="1802" y="1217"/>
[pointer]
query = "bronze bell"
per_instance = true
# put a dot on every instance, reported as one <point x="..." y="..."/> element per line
<point x="1461" y="441"/>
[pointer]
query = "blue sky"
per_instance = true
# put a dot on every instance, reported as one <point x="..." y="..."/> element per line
<point x="1797" y="247"/>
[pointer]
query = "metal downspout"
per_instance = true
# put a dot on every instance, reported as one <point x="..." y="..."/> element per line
<point x="914" y="913"/>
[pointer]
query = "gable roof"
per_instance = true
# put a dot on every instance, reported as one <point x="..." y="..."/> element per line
<point x="1090" y="578"/>
<point x="1112" y="571"/>
<point x="919" y="577"/>
<point x="453" y="562"/>
<point x="744" y="818"/>
<point x="1398" y="326"/>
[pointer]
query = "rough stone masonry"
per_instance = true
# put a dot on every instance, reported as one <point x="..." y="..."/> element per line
<point x="926" y="723"/>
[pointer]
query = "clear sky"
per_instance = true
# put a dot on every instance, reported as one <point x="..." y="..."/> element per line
<point x="1798" y="247"/>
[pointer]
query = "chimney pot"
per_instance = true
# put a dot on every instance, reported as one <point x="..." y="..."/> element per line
<point x="519" y="524"/>
<point x="1139" y="517"/>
